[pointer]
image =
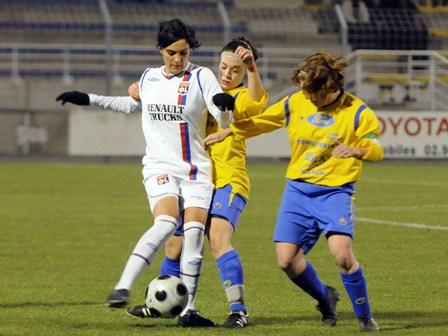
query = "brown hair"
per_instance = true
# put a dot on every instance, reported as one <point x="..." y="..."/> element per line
<point x="320" y="71"/>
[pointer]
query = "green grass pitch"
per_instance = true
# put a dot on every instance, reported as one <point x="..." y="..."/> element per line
<point x="66" y="231"/>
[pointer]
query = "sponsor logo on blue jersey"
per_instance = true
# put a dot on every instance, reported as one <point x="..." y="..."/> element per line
<point x="320" y="120"/>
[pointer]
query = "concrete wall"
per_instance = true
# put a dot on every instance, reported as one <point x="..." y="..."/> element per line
<point x="32" y="122"/>
<point x="105" y="133"/>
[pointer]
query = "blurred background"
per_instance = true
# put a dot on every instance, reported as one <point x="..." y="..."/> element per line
<point x="397" y="51"/>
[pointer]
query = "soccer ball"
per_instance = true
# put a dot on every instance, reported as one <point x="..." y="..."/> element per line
<point x="166" y="296"/>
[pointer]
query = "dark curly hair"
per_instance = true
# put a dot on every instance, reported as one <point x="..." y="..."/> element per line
<point x="175" y="30"/>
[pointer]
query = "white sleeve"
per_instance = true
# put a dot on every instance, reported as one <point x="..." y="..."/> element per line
<point x="210" y="87"/>
<point x="117" y="104"/>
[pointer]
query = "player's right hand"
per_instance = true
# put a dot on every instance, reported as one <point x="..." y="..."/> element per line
<point x="217" y="137"/>
<point x="74" y="97"/>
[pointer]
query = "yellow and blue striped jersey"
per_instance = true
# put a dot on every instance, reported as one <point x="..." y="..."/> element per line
<point x="313" y="133"/>
<point x="229" y="156"/>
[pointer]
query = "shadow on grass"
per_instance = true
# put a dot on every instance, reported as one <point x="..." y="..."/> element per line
<point x="412" y="319"/>
<point x="261" y="320"/>
<point x="157" y="325"/>
<point x="387" y="321"/>
<point x="47" y="304"/>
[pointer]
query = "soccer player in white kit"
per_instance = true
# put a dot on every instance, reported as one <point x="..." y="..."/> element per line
<point x="177" y="171"/>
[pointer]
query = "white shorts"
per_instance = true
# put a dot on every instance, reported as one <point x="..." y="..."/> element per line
<point x="190" y="193"/>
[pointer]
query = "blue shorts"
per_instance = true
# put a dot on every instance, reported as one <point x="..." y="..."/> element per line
<point x="224" y="207"/>
<point x="308" y="209"/>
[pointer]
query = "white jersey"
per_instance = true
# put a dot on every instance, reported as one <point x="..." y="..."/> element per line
<point x="174" y="115"/>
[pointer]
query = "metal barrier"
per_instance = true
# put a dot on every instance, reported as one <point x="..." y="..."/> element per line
<point x="19" y="61"/>
<point x="415" y="79"/>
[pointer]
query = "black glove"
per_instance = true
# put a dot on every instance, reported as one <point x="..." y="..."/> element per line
<point x="74" y="97"/>
<point x="224" y="101"/>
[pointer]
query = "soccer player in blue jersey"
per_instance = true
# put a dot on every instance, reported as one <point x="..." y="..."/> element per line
<point x="331" y="133"/>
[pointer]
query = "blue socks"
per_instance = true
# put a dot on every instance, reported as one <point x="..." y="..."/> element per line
<point x="231" y="274"/>
<point x="310" y="283"/>
<point x="356" y="286"/>
<point x="170" y="267"/>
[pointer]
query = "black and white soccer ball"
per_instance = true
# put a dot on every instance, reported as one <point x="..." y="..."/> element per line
<point x="166" y="296"/>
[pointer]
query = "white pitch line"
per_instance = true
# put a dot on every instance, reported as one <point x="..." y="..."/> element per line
<point x="401" y="208"/>
<point x="406" y="182"/>
<point x="411" y="225"/>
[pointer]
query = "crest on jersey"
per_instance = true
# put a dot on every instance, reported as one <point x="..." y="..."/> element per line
<point x="183" y="88"/>
<point x="162" y="179"/>
<point x="342" y="221"/>
<point x="320" y="120"/>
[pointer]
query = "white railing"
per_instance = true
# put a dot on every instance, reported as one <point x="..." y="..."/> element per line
<point x="18" y="61"/>
<point x="416" y="80"/>
<point x="377" y="76"/>
<point x="414" y="77"/>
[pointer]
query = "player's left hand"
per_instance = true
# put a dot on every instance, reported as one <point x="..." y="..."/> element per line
<point x="342" y="151"/>
<point x="224" y="101"/>
<point x="247" y="57"/>
<point x="217" y="137"/>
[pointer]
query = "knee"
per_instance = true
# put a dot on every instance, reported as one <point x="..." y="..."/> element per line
<point x="285" y="264"/>
<point x="345" y="261"/>
<point x="215" y="244"/>
<point x="173" y="248"/>
<point x="219" y="246"/>
<point x="290" y="258"/>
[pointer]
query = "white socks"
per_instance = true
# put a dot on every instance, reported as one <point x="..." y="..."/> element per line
<point x="191" y="259"/>
<point x="146" y="249"/>
<point x="149" y="244"/>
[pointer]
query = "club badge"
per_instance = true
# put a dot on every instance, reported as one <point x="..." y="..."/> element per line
<point x="162" y="179"/>
<point x="183" y="88"/>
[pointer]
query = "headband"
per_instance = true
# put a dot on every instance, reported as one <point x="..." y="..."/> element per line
<point x="245" y="43"/>
<point x="229" y="53"/>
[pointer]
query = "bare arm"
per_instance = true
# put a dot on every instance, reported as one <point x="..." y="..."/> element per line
<point x="255" y="86"/>
<point x="217" y="137"/>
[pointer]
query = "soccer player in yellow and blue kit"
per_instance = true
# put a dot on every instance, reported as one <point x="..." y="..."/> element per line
<point x="331" y="133"/>
<point x="232" y="185"/>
